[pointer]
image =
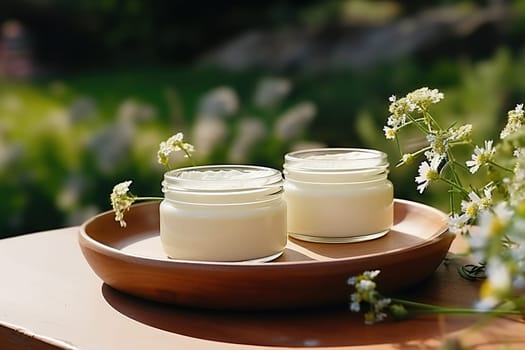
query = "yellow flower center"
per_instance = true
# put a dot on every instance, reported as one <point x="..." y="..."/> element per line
<point x="472" y="210"/>
<point x="432" y="175"/>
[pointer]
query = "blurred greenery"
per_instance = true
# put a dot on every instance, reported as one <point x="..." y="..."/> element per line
<point x="66" y="139"/>
<point x="56" y="135"/>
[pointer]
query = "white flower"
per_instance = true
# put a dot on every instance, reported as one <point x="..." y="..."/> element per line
<point x="390" y="133"/>
<point x="515" y="119"/>
<point x="365" y="291"/>
<point x="486" y="303"/>
<point x="463" y="133"/>
<point x="516" y="185"/>
<point x="497" y="284"/>
<point x="366" y="285"/>
<point x="396" y="121"/>
<point x="174" y="144"/>
<point x="481" y="156"/>
<point x="424" y="97"/>
<point x="439" y="143"/>
<point x="490" y="223"/>
<point x="427" y="173"/>
<point x="430" y="154"/>
<point x="481" y="239"/>
<point x="486" y="201"/>
<point x="458" y="223"/>
<point x="399" y="110"/>
<point x="477" y="203"/>
<point x="371" y="274"/>
<point x="497" y="208"/>
<point x="519" y="152"/>
<point x="470" y="208"/>
<point x="121" y="201"/>
<point x="355" y="307"/>
<point x="503" y="212"/>
<point x="407" y="158"/>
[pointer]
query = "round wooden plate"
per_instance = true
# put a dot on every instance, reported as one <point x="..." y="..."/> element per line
<point x="306" y="275"/>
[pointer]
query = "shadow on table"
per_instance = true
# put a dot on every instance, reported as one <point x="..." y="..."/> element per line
<point x="291" y="328"/>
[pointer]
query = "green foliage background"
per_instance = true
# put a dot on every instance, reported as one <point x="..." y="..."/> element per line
<point x="51" y="128"/>
<point x="45" y="148"/>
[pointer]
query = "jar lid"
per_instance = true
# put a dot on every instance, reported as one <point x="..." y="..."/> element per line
<point x="336" y="159"/>
<point x="222" y="184"/>
<point x="336" y="164"/>
<point x="222" y="177"/>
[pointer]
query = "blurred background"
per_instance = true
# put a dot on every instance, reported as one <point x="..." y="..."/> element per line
<point x="89" y="88"/>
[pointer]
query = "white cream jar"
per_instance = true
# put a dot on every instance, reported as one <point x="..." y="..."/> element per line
<point x="223" y="213"/>
<point x="338" y="195"/>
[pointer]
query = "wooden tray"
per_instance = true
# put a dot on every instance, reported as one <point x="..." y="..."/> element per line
<point x="306" y="275"/>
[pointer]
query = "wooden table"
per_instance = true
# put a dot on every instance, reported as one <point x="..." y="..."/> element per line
<point x="51" y="299"/>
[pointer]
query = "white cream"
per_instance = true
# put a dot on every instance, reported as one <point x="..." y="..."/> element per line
<point x="223" y="213"/>
<point x="338" y="195"/>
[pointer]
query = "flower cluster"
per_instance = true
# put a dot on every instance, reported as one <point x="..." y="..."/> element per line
<point x="121" y="200"/>
<point x="401" y="109"/>
<point x="121" y="197"/>
<point x="377" y="307"/>
<point x="497" y="206"/>
<point x="366" y="296"/>
<point x="515" y="119"/>
<point x="500" y="242"/>
<point x="174" y="144"/>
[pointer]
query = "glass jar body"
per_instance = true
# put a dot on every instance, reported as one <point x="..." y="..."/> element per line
<point x="338" y="195"/>
<point x="223" y="213"/>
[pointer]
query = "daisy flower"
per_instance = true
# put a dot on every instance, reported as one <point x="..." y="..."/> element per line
<point x="471" y="207"/>
<point x="390" y="133"/>
<point x="497" y="284"/>
<point x="427" y="173"/>
<point x="458" y="223"/>
<point x="481" y="156"/>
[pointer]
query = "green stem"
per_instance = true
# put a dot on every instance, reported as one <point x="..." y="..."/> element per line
<point x="451" y="165"/>
<point x="422" y="150"/>
<point x="148" y="198"/>
<point x="411" y="121"/>
<point x="434" y="309"/>
<point x="416" y="122"/>
<point x="500" y="166"/>
<point x="188" y="155"/>
<point x="398" y="146"/>
<point x="466" y="311"/>
<point x="455" y="185"/>
<point x="415" y="154"/>
<point x="426" y="114"/>
<point x="460" y="165"/>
